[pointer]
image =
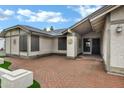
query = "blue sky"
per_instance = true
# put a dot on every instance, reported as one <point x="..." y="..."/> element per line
<point x="43" y="16"/>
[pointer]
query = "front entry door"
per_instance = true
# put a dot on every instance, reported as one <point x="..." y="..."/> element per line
<point x="86" y="46"/>
<point x="96" y="46"/>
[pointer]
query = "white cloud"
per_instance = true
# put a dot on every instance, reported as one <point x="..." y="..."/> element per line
<point x="40" y="16"/>
<point x="25" y="12"/>
<point x="84" y="10"/>
<point x="5" y="14"/>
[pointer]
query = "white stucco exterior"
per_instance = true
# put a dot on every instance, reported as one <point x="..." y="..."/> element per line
<point x="105" y="42"/>
<point x="47" y="45"/>
<point x="15" y="47"/>
<point x="117" y="47"/>
<point x="111" y="42"/>
<point x="7" y="45"/>
<point x="72" y="45"/>
<point x="12" y="42"/>
<point x="117" y="41"/>
<point x="55" y="47"/>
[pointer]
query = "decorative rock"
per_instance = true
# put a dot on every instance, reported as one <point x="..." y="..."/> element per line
<point x="1" y="60"/>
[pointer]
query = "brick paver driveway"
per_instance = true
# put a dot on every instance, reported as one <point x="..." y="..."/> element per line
<point x="58" y="71"/>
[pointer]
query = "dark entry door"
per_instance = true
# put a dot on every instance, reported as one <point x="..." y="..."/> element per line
<point x="96" y="46"/>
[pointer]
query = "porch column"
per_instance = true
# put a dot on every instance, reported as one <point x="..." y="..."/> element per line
<point x="28" y="45"/>
<point x="71" y="45"/>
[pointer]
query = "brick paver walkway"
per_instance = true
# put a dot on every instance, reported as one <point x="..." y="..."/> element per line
<point x="58" y="71"/>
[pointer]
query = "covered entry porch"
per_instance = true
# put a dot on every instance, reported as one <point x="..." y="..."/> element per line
<point x="85" y="38"/>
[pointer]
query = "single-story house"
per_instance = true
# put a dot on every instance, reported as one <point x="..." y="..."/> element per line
<point x="100" y="33"/>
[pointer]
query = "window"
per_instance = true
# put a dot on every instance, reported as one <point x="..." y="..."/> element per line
<point x="62" y="43"/>
<point x="23" y="43"/>
<point x="34" y="43"/>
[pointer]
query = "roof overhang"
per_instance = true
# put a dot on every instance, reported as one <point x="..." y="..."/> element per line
<point x="2" y="34"/>
<point x="4" y="31"/>
<point x="95" y="21"/>
<point x="83" y="28"/>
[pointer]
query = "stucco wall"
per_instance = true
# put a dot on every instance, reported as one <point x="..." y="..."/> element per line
<point x="55" y="47"/>
<point x="117" y="47"/>
<point x="15" y="46"/>
<point x="11" y="47"/>
<point x="117" y="14"/>
<point x="23" y="54"/>
<point x="105" y="42"/>
<point x="117" y="41"/>
<point x="7" y="45"/>
<point x="11" y="37"/>
<point x="72" y="45"/>
<point x="47" y="46"/>
<point x="92" y="34"/>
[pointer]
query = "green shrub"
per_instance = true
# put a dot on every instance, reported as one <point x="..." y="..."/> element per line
<point x="6" y="65"/>
<point x="35" y="85"/>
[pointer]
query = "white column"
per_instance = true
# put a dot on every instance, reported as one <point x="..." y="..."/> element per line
<point x="71" y="45"/>
<point x="28" y="44"/>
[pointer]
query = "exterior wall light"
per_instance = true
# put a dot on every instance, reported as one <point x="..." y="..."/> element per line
<point x="119" y="29"/>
